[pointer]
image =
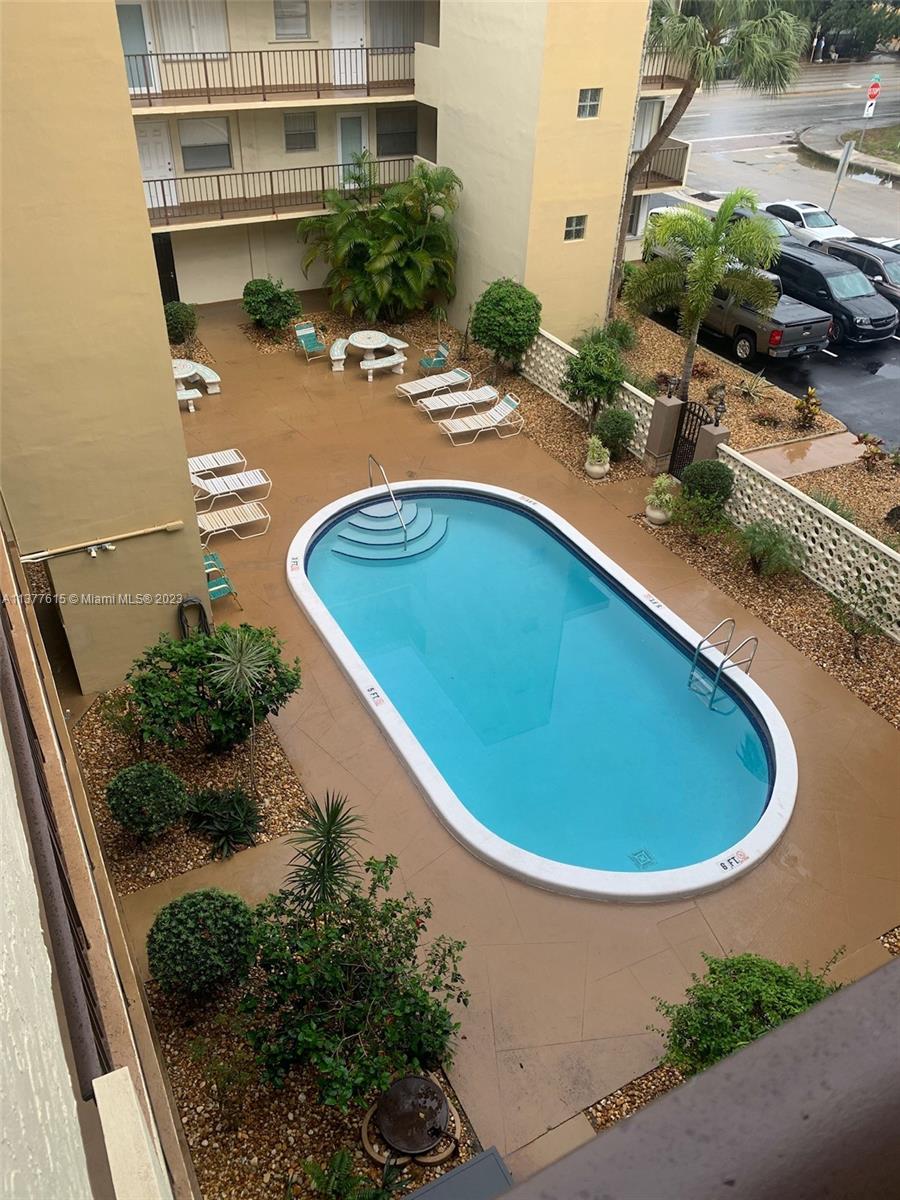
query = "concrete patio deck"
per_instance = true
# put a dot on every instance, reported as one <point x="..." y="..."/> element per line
<point x="562" y="989"/>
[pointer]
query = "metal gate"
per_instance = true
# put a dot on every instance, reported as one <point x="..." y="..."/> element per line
<point x="691" y="417"/>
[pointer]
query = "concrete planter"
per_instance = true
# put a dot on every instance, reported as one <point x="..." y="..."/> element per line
<point x="657" y="516"/>
<point x="596" y="470"/>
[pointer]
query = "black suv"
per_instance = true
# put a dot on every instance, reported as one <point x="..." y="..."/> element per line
<point x="858" y="313"/>
<point x="878" y="263"/>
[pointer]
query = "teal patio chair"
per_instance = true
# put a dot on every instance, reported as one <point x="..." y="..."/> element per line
<point x="308" y="341"/>
<point x="435" y="358"/>
<point x="217" y="582"/>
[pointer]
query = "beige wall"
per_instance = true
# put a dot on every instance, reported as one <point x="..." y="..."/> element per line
<point x="580" y="165"/>
<point x="92" y="445"/>
<point x="485" y="82"/>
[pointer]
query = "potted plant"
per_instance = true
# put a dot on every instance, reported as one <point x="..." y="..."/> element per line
<point x="660" y="500"/>
<point x="597" y="462"/>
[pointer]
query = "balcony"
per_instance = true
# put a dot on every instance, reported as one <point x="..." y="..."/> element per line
<point x="667" y="168"/>
<point x="663" y="73"/>
<point x="189" y="201"/>
<point x="257" y="76"/>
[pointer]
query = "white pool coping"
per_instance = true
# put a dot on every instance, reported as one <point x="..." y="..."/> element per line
<point x="648" y="885"/>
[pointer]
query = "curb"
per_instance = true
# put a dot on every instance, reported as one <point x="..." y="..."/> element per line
<point x="868" y="161"/>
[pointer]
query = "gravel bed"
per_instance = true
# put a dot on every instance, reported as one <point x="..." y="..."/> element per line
<point x="891" y="941"/>
<point x="798" y="610"/>
<point x="870" y="494"/>
<point x="659" y="349"/>
<point x="250" y="1152"/>
<point x="192" y="349"/>
<point x="627" y="1100"/>
<point x="102" y="752"/>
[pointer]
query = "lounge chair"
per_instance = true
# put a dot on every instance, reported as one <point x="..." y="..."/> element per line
<point x="504" y="418"/>
<point x="217" y="582"/>
<point x="216" y="460"/>
<point x="232" y="520"/>
<point x="432" y="383"/>
<point x="219" y="487"/>
<point x="308" y="341"/>
<point x="436" y="357"/>
<point x="448" y="404"/>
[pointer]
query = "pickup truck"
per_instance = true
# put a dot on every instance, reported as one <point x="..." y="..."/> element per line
<point x="792" y="328"/>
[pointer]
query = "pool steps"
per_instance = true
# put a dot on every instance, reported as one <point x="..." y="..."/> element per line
<point x="376" y="533"/>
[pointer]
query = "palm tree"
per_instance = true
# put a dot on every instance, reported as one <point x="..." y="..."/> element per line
<point x="696" y="257"/>
<point x="326" y="861"/>
<point x="754" y="41"/>
<point x="241" y="666"/>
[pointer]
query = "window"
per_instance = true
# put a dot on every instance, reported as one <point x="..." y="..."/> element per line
<point x="396" y="23"/>
<point x="396" y="131"/>
<point x="291" y="20"/>
<point x="819" y="220"/>
<point x="575" y="227"/>
<point x="786" y="214"/>
<point x="204" y="143"/>
<point x="300" y="131"/>
<point x="852" y="286"/>
<point x="193" y="26"/>
<point x="589" y="102"/>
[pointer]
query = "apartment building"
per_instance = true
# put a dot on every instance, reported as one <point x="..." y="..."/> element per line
<point x="247" y="111"/>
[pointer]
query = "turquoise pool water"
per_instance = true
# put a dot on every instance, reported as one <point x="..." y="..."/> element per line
<point x="556" y="710"/>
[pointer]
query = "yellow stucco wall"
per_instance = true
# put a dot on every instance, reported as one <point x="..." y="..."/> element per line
<point x="92" y="444"/>
<point x="580" y="165"/>
<point x="214" y="264"/>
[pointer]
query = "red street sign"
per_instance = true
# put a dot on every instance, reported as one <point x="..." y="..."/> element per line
<point x="874" y="90"/>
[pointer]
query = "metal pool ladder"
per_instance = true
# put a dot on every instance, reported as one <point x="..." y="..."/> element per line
<point x="373" y="460"/>
<point x="727" y="625"/>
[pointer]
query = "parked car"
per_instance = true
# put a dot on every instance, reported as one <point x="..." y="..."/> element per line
<point x="858" y="313"/>
<point x="878" y="263"/>
<point x="809" y="223"/>
<point x="791" y="329"/>
<point x="891" y="243"/>
<point x="775" y="223"/>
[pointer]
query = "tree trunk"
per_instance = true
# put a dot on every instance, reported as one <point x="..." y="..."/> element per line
<point x="669" y="123"/>
<point x="688" y="365"/>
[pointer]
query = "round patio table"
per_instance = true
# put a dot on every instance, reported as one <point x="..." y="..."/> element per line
<point x="183" y="369"/>
<point x="412" y="1115"/>
<point x="368" y="340"/>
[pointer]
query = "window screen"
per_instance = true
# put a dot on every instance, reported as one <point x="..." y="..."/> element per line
<point x="396" y="129"/>
<point x="204" y="143"/>
<point x="300" y="131"/>
<point x="291" y="20"/>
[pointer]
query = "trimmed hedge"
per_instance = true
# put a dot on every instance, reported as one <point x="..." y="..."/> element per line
<point x="201" y="943"/>
<point x="146" y="799"/>
<point x="181" y="321"/>
<point x="711" y="479"/>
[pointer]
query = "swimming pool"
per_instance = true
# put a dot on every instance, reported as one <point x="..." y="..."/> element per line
<point x="540" y="696"/>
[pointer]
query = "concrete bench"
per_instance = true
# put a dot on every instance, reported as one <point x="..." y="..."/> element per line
<point x="188" y="396"/>
<point x="338" y="353"/>
<point x="209" y="377"/>
<point x="394" y="362"/>
<point x="396" y="344"/>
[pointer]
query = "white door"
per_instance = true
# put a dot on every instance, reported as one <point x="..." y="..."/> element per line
<point x="352" y="137"/>
<point x="157" y="164"/>
<point x="348" y="39"/>
<point x="137" y="46"/>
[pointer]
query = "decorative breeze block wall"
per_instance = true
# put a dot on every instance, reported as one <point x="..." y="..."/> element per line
<point x="544" y="364"/>
<point x="839" y="556"/>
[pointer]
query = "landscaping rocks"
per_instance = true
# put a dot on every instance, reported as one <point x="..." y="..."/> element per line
<point x="193" y="350"/>
<point x="870" y="494"/>
<point x="891" y="941"/>
<point x="627" y="1100"/>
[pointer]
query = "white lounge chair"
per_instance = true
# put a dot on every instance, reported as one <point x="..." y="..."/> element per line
<point x="432" y="383"/>
<point x="337" y="353"/>
<point x="393" y="362"/>
<point x="216" y="460"/>
<point x="219" y="487"/>
<point x="448" y="404"/>
<point x="232" y="520"/>
<point x="504" y="418"/>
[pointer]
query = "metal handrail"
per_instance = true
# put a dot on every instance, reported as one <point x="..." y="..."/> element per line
<point x="730" y="661"/>
<point x="705" y="643"/>
<point x="373" y="459"/>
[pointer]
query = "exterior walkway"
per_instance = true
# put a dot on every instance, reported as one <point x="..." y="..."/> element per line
<point x="813" y="454"/>
<point x="562" y="989"/>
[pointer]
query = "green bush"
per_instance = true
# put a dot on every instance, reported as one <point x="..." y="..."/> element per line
<point x="227" y="816"/>
<point x="769" y="549"/>
<point x="621" y="332"/>
<point x="181" y="321"/>
<point x="201" y="942"/>
<point x="648" y="384"/>
<point x="176" y="688"/>
<point x="710" y="479"/>
<point x="833" y="503"/>
<point x="593" y="376"/>
<point x="270" y="304"/>
<point x="146" y="799"/>
<point x="699" y="516"/>
<point x="506" y="319"/>
<point x="615" y="428"/>
<point x="738" y="1000"/>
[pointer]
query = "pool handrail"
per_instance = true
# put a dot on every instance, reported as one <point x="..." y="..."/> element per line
<point x="373" y="459"/>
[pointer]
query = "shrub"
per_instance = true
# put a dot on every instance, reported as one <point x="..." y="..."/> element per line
<point x="699" y="516"/>
<point x="621" y="332"/>
<point x="661" y="495"/>
<point x="326" y="863"/>
<point x="738" y="1000"/>
<point x="755" y="388"/>
<point x="358" y="989"/>
<point x="146" y="799"/>
<point x="181" y="321"/>
<point x="710" y="479"/>
<point x="339" y="1180"/>
<point x="175" y="687"/>
<point x="119" y="712"/>
<point x="648" y="384"/>
<point x="615" y="428"/>
<point x="597" y="453"/>
<point x="833" y="503"/>
<point x="769" y="549"/>
<point x="873" y="450"/>
<point x="506" y="319"/>
<point x="862" y="615"/>
<point x="767" y="418"/>
<point x="227" y="816"/>
<point x="629" y="270"/>
<point x="701" y="369"/>
<point x="201" y="942"/>
<point x="808" y="408"/>
<point x="270" y="304"/>
<point x="593" y="376"/>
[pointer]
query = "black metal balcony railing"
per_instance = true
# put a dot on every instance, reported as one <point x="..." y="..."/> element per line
<point x="188" y="198"/>
<point x="158" y="79"/>
<point x="666" y="168"/>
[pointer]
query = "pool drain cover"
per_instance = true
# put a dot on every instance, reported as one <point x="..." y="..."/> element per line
<point x="642" y="859"/>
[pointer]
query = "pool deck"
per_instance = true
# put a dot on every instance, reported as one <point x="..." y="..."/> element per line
<point x="562" y="989"/>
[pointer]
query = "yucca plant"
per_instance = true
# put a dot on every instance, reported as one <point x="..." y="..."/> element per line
<point x="327" y="861"/>
<point x="241" y="666"/>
